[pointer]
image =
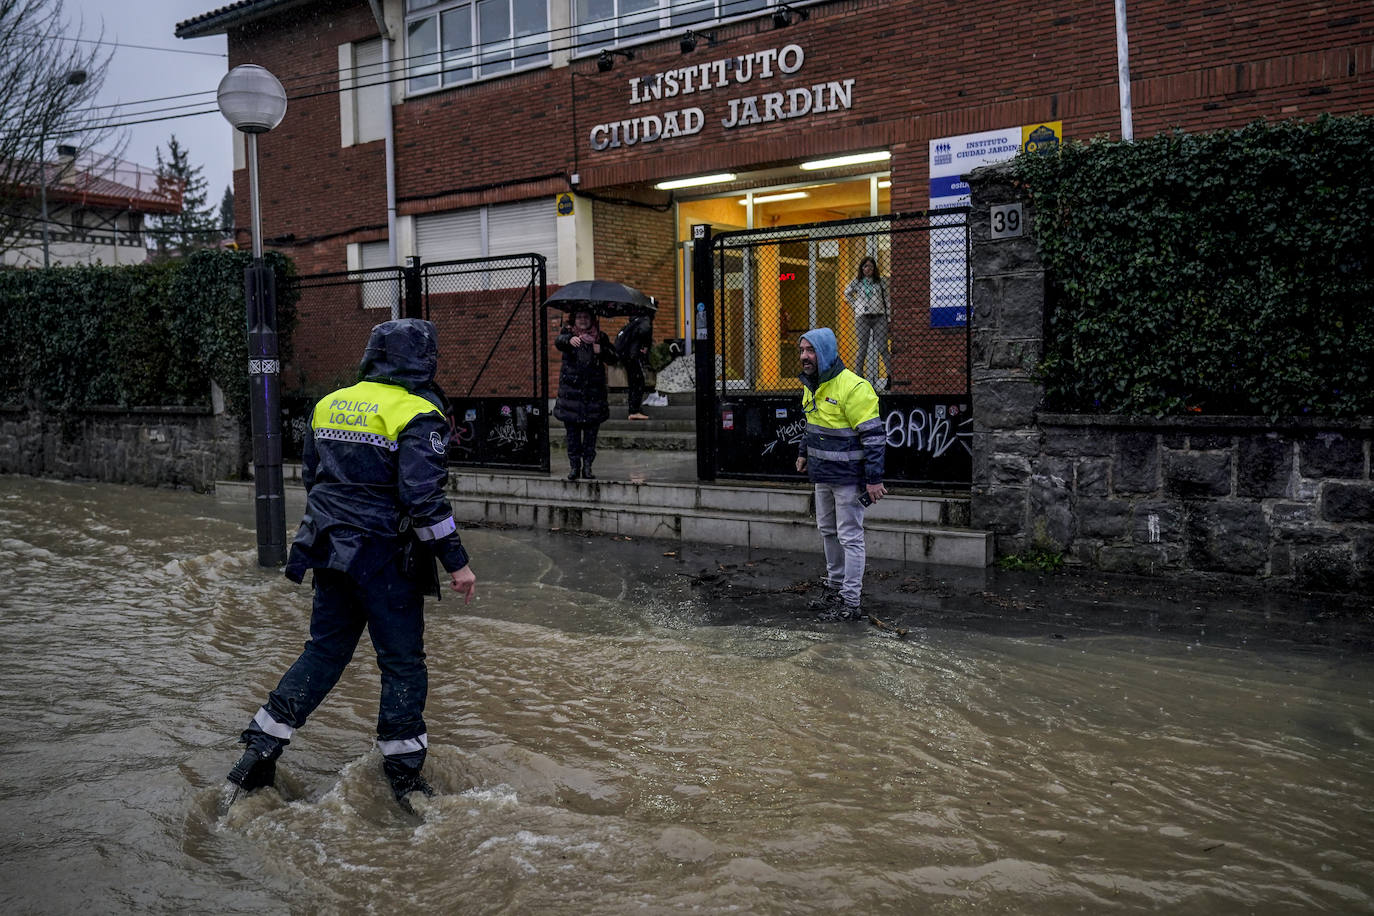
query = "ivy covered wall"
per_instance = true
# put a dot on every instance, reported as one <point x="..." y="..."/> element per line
<point x="147" y="335"/>
<point x="1218" y="273"/>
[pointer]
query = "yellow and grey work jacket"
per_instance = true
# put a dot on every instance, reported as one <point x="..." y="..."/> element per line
<point x="374" y="467"/>
<point x="845" y="438"/>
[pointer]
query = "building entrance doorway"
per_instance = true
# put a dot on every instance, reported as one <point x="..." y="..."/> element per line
<point x="797" y="279"/>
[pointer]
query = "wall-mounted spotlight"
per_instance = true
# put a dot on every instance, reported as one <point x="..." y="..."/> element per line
<point x="605" y="62"/>
<point x="782" y="15"/>
<point x="689" y="41"/>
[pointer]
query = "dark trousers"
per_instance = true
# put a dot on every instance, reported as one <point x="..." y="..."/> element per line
<point x="390" y="607"/>
<point x="582" y="440"/>
<point x="634" y="379"/>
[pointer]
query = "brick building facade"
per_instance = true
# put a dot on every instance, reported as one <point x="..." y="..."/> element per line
<point x="891" y="76"/>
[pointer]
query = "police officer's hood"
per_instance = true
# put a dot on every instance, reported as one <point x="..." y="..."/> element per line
<point x="828" y="363"/>
<point x="404" y="352"/>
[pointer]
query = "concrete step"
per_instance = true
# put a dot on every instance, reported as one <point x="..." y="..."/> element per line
<point x="910" y="528"/>
<point x="917" y="528"/>
<point x="630" y="434"/>
<point x="653" y="424"/>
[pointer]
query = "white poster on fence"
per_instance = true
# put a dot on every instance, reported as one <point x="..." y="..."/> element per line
<point x="951" y="157"/>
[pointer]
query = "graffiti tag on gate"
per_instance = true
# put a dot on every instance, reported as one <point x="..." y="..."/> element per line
<point x="464" y="440"/>
<point x="934" y="431"/>
<point x="791" y="434"/>
<point x="509" y="435"/>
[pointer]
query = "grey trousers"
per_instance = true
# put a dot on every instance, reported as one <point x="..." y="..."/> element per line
<point x="872" y="333"/>
<point x="840" y="518"/>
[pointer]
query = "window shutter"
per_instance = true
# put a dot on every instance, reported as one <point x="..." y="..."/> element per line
<point x="451" y="236"/>
<point x="371" y="99"/>
<point x="520" y="228"/>
<point x="375" y="254"/>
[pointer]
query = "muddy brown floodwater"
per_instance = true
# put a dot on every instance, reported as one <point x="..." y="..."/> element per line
<point x="606" y="741"/>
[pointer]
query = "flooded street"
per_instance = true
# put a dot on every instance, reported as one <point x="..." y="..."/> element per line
<point x="603" y="743"/>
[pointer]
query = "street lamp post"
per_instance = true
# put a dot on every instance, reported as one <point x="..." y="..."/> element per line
<point x="254" y="102"/>
<point x="71" y="78"/>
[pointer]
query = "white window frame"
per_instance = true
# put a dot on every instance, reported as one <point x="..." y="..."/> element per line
<point x="363" y="93"/>
<point x="671" y="17"/>
<point x="466" y="61"/>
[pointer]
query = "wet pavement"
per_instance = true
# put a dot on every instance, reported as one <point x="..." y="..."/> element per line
<point x="1217" y="609"/>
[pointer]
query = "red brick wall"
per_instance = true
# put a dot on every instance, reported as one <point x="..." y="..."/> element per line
<point x="922" y="70"/>
<point x="309" y="185"/>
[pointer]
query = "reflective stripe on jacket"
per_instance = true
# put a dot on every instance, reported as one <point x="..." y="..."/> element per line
<point x="845" y="439"/>
<point x="375" y="465"/>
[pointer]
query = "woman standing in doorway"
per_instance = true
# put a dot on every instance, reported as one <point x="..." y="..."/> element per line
<point x="582" y="404"/>
<point x="867" y="296"/>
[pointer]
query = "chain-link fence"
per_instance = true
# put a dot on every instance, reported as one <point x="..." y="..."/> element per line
<point x="335" y="314"/>
<point x="895" y="291"/>
<point x="491" y="365"/>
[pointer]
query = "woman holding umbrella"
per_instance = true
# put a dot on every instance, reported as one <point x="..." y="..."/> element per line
<point x="582" y="403"/>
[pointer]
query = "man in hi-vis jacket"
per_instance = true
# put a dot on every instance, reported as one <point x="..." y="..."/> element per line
<point x="376" y="518"/>
<point x="842" y="452"/>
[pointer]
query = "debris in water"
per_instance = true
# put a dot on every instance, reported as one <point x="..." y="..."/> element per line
<point x="887" y="627"/>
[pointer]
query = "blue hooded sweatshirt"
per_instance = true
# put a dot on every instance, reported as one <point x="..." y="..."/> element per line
<point x="845" y="440"/>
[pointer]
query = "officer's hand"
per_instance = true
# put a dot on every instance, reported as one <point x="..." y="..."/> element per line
<point x="876" y="491"/>
<point x="465" y="583"/>
<point x="801" y="465"/>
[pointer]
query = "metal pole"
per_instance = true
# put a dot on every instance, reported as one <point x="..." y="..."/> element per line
<point x="1123" y="70"/>
<point x="264" y="380"/>
<point x="43" y="189"/>
<point x="255" y="229"/>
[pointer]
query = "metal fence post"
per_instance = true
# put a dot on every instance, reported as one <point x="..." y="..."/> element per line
<point x="704" y="350"/>
<point x="414" y="300"/>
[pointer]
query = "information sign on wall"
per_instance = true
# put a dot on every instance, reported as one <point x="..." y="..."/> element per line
<point x="951" y="157"/>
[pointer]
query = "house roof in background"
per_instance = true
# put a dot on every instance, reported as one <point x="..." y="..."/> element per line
<point x="232" y="15"/>
<point x="114" y="185"/>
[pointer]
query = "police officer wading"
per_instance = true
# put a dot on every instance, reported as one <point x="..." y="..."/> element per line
<point x="842" y="451"/>
<point x="375" y="520"/>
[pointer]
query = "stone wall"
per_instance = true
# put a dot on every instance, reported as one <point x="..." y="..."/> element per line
<point x="1291" y="501"/>
<point x="176" y="447"/>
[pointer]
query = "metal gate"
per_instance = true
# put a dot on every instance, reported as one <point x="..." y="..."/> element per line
<point x="492" y="366"/>
<point x="907" y="331"/>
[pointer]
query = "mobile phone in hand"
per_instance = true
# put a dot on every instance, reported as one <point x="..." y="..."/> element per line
<point x="864" y="498"/>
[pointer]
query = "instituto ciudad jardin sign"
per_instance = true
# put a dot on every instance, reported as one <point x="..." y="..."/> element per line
<point x="741" y="111"/>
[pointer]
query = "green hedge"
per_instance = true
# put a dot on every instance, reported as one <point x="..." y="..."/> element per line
<point x="146" y="335"/>
<point x="1221" y="273"/>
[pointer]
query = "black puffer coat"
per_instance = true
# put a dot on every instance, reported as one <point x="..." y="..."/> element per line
<point x="582" y="380"/>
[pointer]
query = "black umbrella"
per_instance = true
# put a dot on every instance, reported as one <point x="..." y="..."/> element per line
<point x="602" y="297"/>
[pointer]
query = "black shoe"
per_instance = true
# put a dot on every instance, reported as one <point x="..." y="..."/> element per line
<point x="827" y="602"/>
<point x="851" y="612"/>
<point x="587" y="471"/>
<point x="576" y="470"/>
<point x="403" y="786"/>
<point x="253" y="771"/>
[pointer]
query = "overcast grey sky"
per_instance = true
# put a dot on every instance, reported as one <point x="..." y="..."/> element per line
<point x="137" y="74"/>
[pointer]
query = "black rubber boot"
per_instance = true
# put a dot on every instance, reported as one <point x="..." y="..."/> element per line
<point x="576" y="468"/>
<point x="405" y="780"/>
<point x="253" y="771"/>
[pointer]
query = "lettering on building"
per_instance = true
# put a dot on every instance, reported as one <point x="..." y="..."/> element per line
<point x="738" y="111"/>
